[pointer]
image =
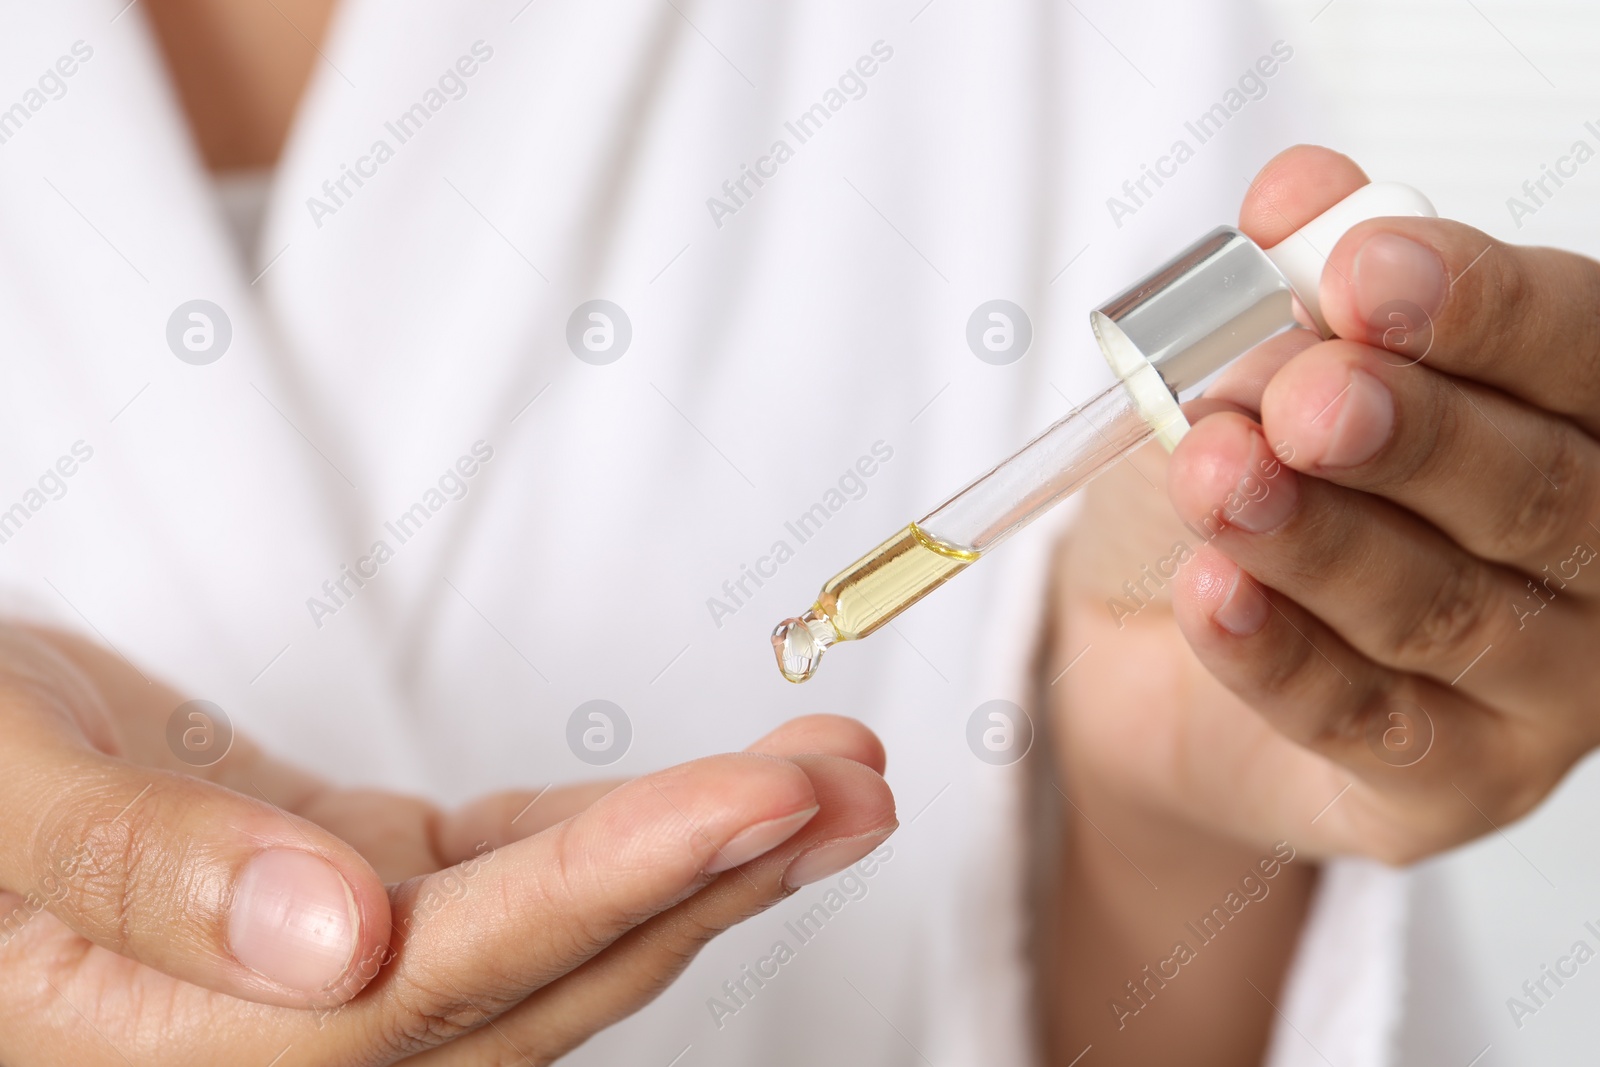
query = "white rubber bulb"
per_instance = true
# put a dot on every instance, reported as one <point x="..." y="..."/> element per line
<point x="1303" y="255"/>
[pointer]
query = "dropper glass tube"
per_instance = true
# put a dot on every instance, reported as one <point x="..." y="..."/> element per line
<point x="950" y="538"/>
<point x="1162" y="337"/>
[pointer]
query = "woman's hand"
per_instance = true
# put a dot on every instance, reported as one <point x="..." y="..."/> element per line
<point x="152" y="916"/>
<point x="1355" y="612"/>
<point x="1396" y="567"/>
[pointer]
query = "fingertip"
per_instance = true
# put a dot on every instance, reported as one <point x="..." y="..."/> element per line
<point x="834" y="735"/>
<point x="858" y="815"/>
<point x="1387" y="281"/>
<point x="1224" y="476"/>
<point x="855" y="799"/>
<point x="1204" y="580"/>
<point x="223" y="891"/>
<point x="1214" y="600"/>
<point x="751" y="778"/>
<point x="1242" y="608"/>
<point x="299" y="922"/>
<point x="1206" y="463"/>
<point x="720" y="794"/>
<point x="758" y="839"/>
<point x="308" y="917"/>
<point x="1294" y="187"/>
<point x="1329" y="410"/>
<point x="370" y="897"/>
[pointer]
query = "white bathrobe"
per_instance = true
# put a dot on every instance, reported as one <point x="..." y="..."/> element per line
<point x="461" y="178"/>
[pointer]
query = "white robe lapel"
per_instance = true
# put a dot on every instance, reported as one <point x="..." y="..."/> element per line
<point x="108" y="224"/>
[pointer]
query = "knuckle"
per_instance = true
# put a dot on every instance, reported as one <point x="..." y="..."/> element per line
<point x="674" y="953"/>
<point x="1351" y="713"/>
<point x="1539" y="513"/>
<point x="1284" y="674"/>
<point x="91" y="856"/>
<point x="1451" y="618"/>
<point x="593" y="913"/>
<point x="1499" y="320"/>
<point x="1428" y="447"/>
<point x="428" y="1014"/>
<point x="562" y="882"/>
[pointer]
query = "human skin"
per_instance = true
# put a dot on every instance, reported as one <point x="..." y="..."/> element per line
<point x="509" y="930"/>
<point x="240" y="68"/>
<point x="152" y="912"/>
<point x="1376" y="596"/>
<point x="1185" y="778"/>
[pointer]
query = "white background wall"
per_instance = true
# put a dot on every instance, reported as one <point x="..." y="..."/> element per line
<point x="1464" y="99"/>
<point x="1467" y="100"/>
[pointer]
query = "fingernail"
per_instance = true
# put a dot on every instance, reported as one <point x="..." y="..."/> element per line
<point x="1245" y="609"/>
<point x="1361" y="423"/>
<point x="1391" y="270"/>
<point x="758" y="840"/>
<point x="1266" y="494"/>
<point x="832" y="858"/>
<point x="293" y="920"/>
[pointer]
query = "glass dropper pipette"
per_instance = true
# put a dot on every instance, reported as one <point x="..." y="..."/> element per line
<point x="1213" y="302"/>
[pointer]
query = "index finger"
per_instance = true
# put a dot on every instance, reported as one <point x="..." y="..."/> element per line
<point x="501" y="818"/>
<point x="541" y="906"/>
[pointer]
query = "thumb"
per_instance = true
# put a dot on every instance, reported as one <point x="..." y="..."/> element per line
<point x="201" y="883"/>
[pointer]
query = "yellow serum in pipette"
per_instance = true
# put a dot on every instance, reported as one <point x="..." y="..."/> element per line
<point x="889" y="579"/>
<point x="865" y="595"/>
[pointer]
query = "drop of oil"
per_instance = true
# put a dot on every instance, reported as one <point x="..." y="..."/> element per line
<point x="799" y="644"/>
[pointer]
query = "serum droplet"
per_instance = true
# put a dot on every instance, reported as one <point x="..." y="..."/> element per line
<point x="800" y="643"/>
